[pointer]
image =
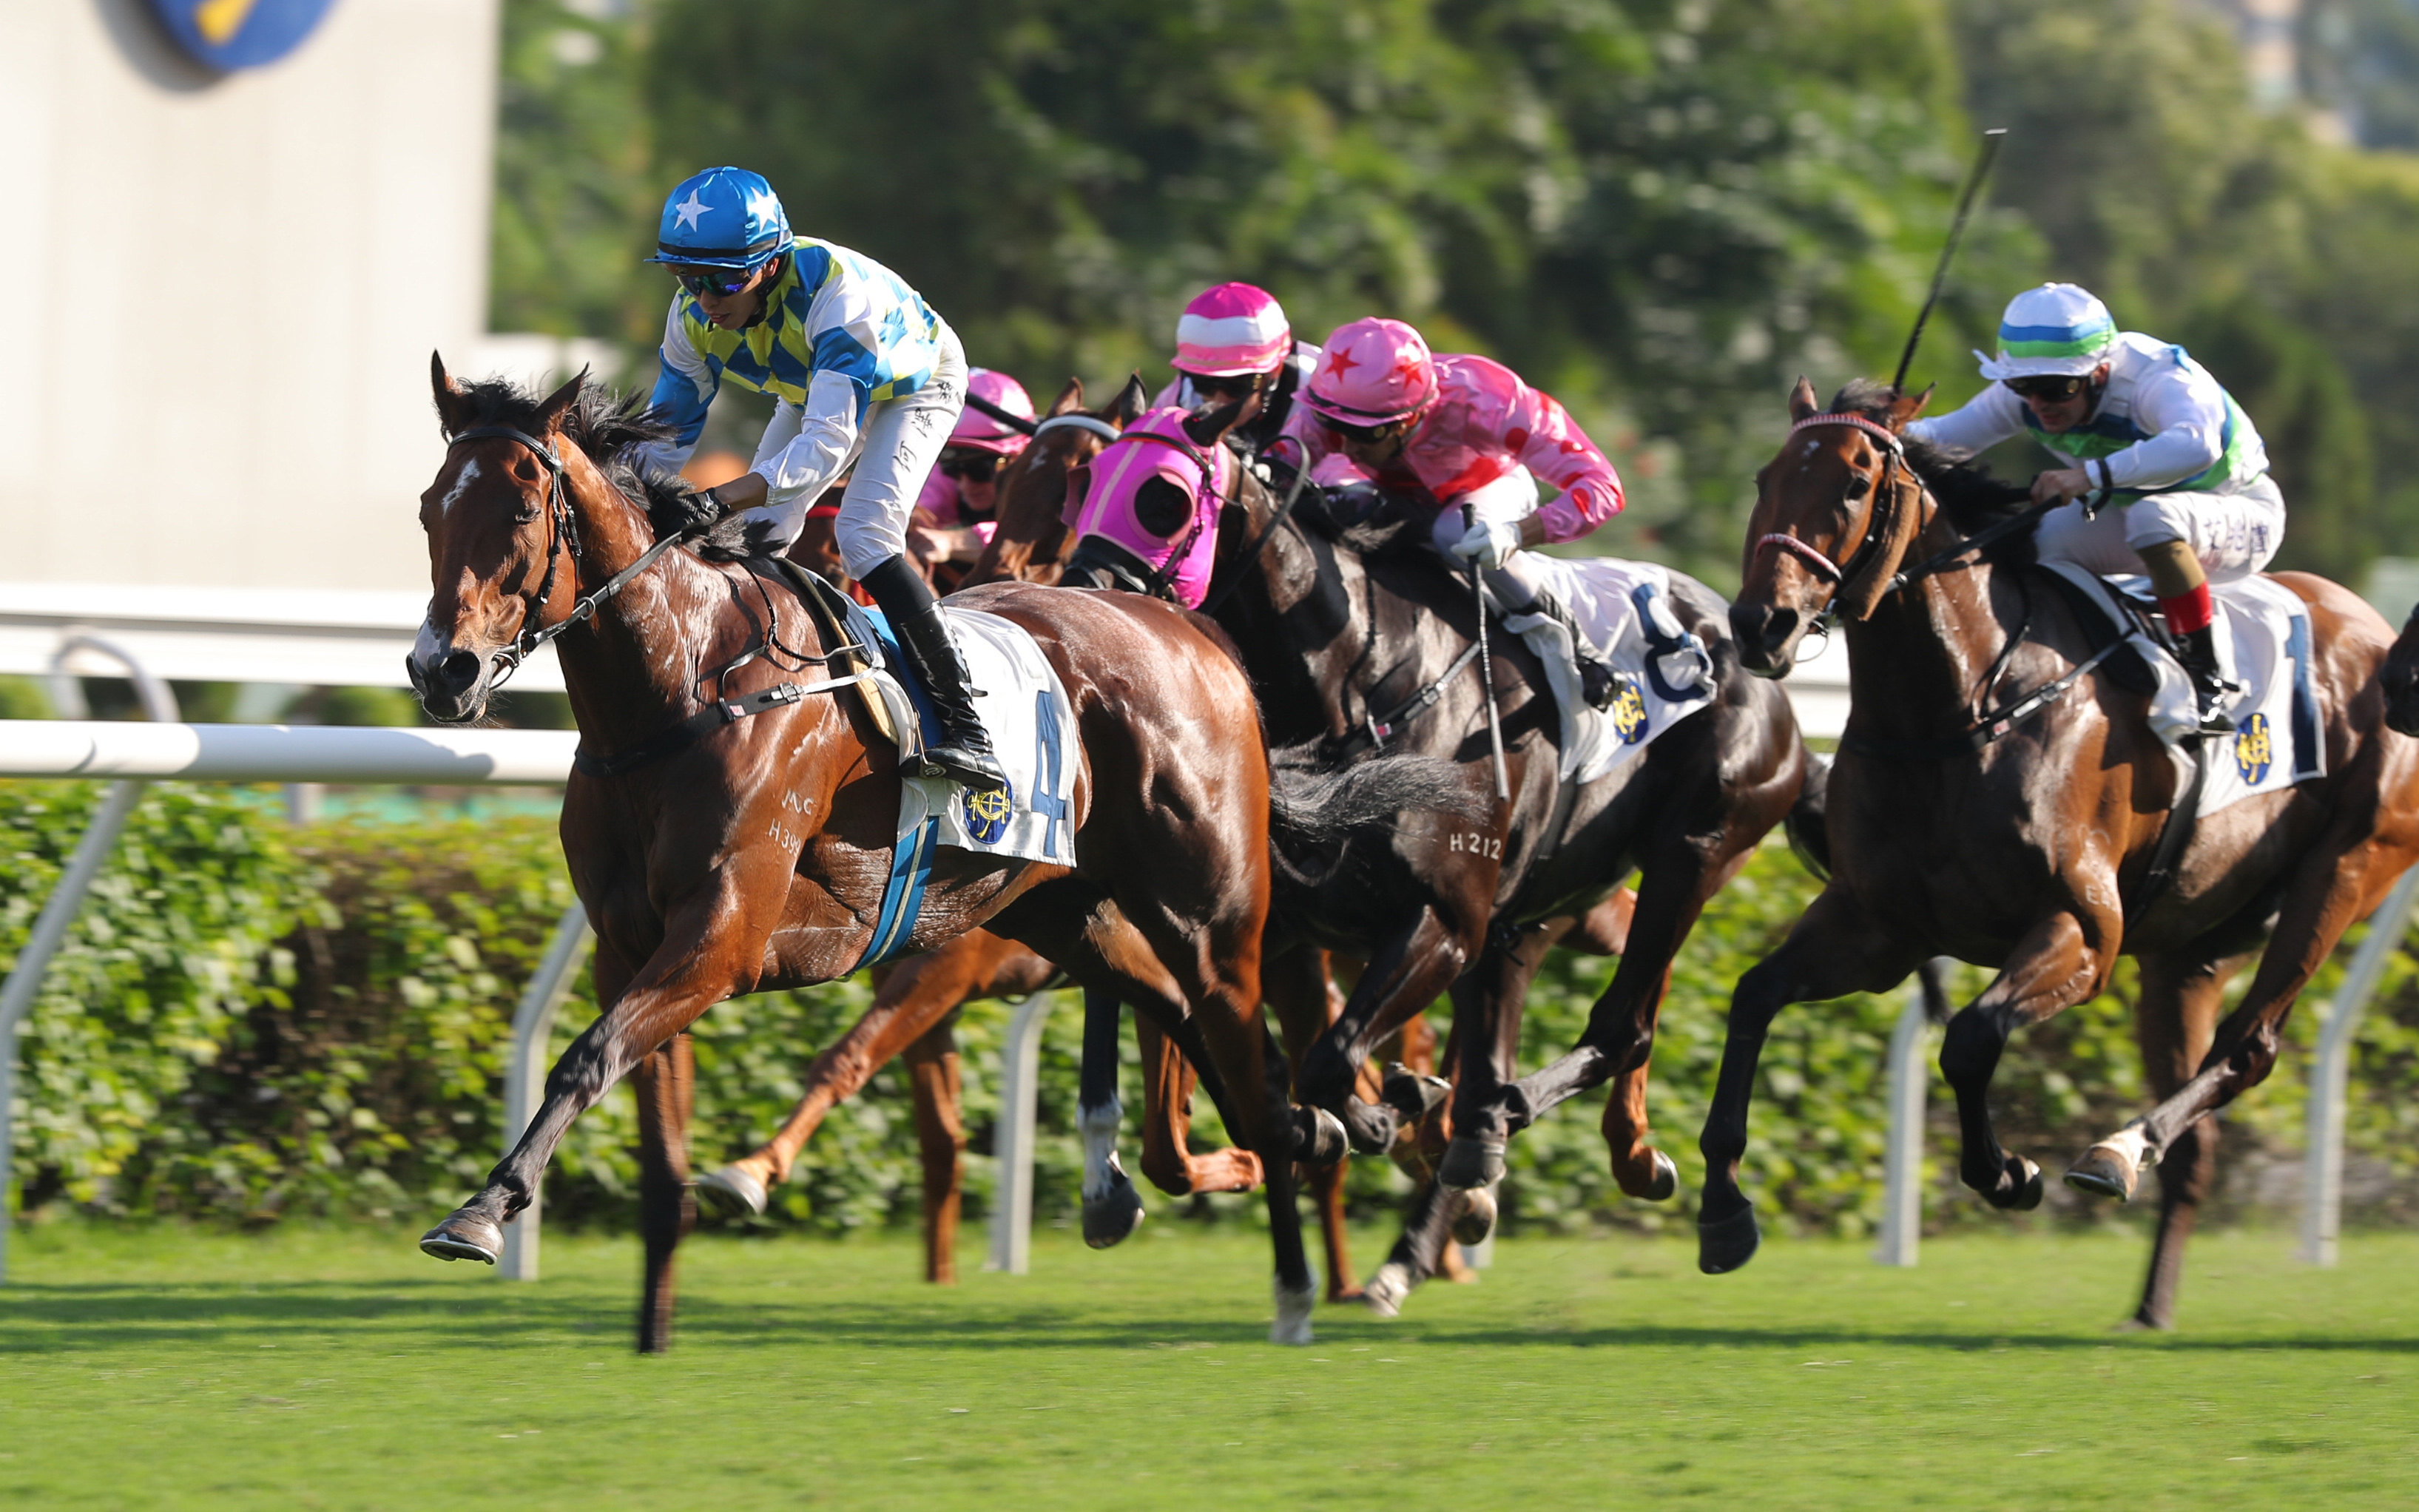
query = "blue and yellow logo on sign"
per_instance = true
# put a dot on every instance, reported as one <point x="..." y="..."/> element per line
<point x="986" y="814"/>
<point x="2254" y="750"/>
<point x="228" y="35"/>
<point x="1629" y="712"/>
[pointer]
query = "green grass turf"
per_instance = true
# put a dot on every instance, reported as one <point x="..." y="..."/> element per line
<point x="340" y="1368"/>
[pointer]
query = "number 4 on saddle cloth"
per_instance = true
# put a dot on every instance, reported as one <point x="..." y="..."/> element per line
<point x="1025" y="709"/>
<point x="2276" y="739"/>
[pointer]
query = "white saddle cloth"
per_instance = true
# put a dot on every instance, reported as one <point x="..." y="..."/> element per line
<point x="2263" y="631"/>
<point x="1612" y="600"/>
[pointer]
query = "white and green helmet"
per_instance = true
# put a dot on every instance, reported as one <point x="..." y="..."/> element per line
<point x="2057" y="328"/>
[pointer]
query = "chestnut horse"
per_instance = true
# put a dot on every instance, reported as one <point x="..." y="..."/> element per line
<point x="1960" y="826"/>
<point x="720" y="850"/>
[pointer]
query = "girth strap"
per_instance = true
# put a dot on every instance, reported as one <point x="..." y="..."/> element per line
<point x="705" y="721"/>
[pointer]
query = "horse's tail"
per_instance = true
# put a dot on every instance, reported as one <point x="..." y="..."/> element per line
<point x="1807" y="835"/>
<point x="1314" y="810"/>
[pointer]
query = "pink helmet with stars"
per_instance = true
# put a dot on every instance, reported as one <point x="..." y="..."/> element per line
<point x="1231" y="330"/>
<point x="1372" y="372"/>
<point x="979" y="431"/>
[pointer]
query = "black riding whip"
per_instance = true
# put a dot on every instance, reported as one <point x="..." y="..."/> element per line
<point x="1486" y="670"/>
<point x="1008" y="418"/>
<point x="1991" y="140"/>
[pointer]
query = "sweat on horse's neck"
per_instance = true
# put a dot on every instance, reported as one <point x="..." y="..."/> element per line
<point x="1916" y="665"/>
<point x="633" y="667"/>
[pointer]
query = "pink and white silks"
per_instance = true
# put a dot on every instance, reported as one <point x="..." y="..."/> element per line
<point x="1484" y="426"/>
<point x="1155" y="446"/>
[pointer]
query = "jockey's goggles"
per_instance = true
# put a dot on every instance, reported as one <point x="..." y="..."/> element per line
<point x="1223" y="385"/>
<point x="2049" y="387"/>
<point x="1363" y="434"/>
<point x="720" y="281"/>
<point x="969" y="466"/>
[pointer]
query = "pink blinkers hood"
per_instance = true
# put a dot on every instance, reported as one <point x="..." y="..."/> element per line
<point x="1155" y="446"/>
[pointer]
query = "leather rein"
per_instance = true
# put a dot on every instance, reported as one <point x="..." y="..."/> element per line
<point x="564" y="542"/>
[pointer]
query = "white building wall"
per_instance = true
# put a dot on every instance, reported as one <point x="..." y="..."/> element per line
<point x="224" y="292"/>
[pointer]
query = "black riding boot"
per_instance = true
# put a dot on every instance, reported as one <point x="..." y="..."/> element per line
<point x="1597" y="684"/>
<point x="2210" y="690"/>
<point x="964" y="751"/>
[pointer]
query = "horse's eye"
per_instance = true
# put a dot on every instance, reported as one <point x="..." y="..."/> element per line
<point x="526" y="515"/>
<point x="1860" y="486"/>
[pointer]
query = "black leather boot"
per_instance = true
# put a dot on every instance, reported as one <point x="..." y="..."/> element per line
<point x="2210" y="690"/>
<point x="915" y="615"/>
<point x="1597" y="684"/>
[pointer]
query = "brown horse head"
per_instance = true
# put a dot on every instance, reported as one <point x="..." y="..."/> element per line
<point x="1041" y="488"/>
<point x="504" y="551"/>
<point x="1835" y="512"/>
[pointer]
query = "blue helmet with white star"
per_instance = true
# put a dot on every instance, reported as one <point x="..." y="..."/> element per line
<point x="723" y="218"/>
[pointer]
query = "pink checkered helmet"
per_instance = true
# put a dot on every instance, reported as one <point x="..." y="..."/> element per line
<point x="979" y="431"/>
<point x="1231" y="330"/>
<point x="1373" y="371"/>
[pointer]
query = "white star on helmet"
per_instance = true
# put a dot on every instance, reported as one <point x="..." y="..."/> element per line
<point x="763" y="206"/>
<point x="687" y="211"/>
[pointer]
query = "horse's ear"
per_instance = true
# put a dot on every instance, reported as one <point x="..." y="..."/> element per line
<point x="452" y="400"/>
<point x="549" y="414"/>
<point x="1801" y="399"/>
<point x="1906" y="406"/>
<point x="1210" y="428"/>
<point x="1131" y="402"/>
<point x="1070" y="398"/>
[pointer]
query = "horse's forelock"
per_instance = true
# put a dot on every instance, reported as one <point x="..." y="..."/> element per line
<point x="605" y="425"/>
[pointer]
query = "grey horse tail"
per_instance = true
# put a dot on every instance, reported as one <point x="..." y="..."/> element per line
<point x="1807" y="835"/>
<point x="1315" y="810"/>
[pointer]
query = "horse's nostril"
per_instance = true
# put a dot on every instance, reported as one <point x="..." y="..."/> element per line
<point x="459" y="669"/>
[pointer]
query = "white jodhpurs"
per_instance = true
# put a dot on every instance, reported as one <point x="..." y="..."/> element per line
<point x="2234" y="535"/>
<point x="899" y="444"/>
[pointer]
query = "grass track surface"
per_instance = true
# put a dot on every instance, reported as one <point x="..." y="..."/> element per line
<point x="341" y="1369"/>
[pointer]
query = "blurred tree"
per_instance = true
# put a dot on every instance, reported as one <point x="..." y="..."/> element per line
<point x="575" y="196"/>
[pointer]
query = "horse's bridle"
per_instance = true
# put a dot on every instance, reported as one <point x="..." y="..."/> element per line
<point x="1893" y="459"/>
<point x="564" y="541"/>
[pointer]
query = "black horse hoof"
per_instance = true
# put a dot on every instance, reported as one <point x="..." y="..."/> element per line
<point x="1724" y="1244"/>
<point x="1475" y="1222"/>
<point x="1472" y="1161"/>
<point x="1667" y="1179"/>
<point x="1112" y="1218"/>
<point x="1369" y="1127"/>
<point x="463" y="1235"/>
<point x="1318" y="1137"/>
<point x="1411" y="1095"/>
<point x="2029" y="1195"/>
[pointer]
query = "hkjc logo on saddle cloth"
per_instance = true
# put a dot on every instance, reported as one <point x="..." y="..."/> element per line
<point x="2254" y="748"/>
<point x="1629" y="711"/>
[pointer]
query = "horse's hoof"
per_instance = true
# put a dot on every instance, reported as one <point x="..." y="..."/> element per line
<point x="1476" y="1218"/>
<point x="2104" y="1172"/>
<point x="1411" y="1094"/>
<point x="1371" y="1127"/>
<point x="1383" y="1293"/>
<point x="733" y="1192"/>
<point x="1724" y="1244"/>
<point x="1472" y="1161"/>
<point x="2028" y="1194"/>
<point x="1323" y="1142"/>
<point x="463" y="1235"/>
<point x="1667" y="1179"/>
<point x="1292" y="1325"/>
<point x="1111" y="1218"/>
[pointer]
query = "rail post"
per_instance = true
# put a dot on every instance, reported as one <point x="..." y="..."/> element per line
<point x="2330" y="1075"/>
<point x="1011" y="1214"/>
<point x="66" y="900"/>
<point x="1909" y="1076"/>
<point x="525" y="1079"/>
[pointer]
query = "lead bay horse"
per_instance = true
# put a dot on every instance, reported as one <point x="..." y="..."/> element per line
<point x="2032" y="847"/>
<point x="753" y="851"/>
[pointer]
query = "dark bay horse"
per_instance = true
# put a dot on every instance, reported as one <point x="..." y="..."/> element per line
<point x="2032" y="849"/>
<point x="755" y="854"/>
<point x="1346" y="623"/>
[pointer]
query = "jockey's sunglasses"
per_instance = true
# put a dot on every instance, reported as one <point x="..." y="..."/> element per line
<point x="969" y="466"/>
<point x="1363" y="434"/>
<point x="1227" y="386"/>
<point x="714" y="281"/>
<point x="2050" y="388"/>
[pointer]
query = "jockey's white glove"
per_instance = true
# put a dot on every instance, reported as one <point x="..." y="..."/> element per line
<point x="1489" y="543"/>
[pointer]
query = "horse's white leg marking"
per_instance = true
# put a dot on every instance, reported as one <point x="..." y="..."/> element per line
<point x="1099" y="1126"/>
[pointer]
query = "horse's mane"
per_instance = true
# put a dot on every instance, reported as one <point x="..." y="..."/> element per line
<point x="1972" y="496"/>
<point x="607" y="426"/>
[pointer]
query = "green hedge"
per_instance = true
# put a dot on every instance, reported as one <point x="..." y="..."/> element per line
<point x="250" y="1022"/>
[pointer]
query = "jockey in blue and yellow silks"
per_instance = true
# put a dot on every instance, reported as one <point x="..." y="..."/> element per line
<point x="2179" y="470"/>
<point x="863" y="373"/>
